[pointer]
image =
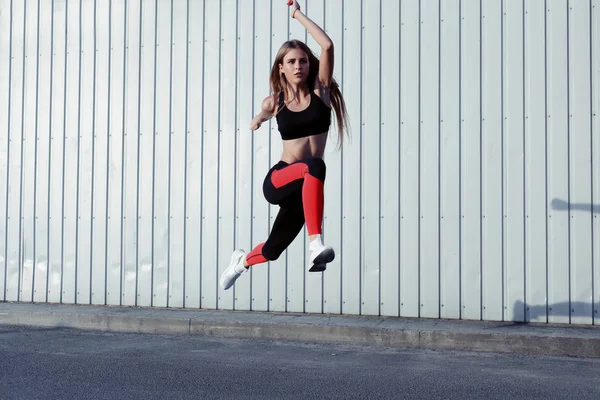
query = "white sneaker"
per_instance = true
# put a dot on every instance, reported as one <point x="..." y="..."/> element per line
<point x="235" y="269"/>
<point x="319" y="257"/>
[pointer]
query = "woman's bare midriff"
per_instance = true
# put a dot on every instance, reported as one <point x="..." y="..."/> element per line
<point x="306" y="147"/>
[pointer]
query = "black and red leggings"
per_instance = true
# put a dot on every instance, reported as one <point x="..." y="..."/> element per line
<point x="298" y="190"/>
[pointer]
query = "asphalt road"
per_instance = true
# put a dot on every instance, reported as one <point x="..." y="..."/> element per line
<point x="68" y="364"/>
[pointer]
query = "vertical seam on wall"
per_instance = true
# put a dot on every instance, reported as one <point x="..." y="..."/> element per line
<point x="138" y="134"/>
<point x="154" y="134"/>
<point x="268" y="291"/>
<point x="286" y="251"/>
<point x="252" y="145"/>
<point x="379" y="162"/>
<point x="480" y="161"/>
<point x="592" y="114"/>
<point x="50" y="132"/>
<point x="523" y="118"/>
<point x="503" y="211"/>
<point x="420" y="123"/>
<point x="123" y="144"/>
<point x="36" y="140"/>
<point x="235" y="143"/>
<point x="439" y="169"/>
<point x="170" y="134"/>
<point x="360" y="223"/>
<point x="546" y="151"/>
<point x="460" y="182"/>
<point x="592" y="157"/>
<point x="8" y="148"/>
<point x="62" y="219"/>
<point x="19" y="261"/>
<point x="92" y="202"/>
<point x="569" y="153"/>
<point x="217" y="216"/>
<point x="399" y="253"/>
<point x="78" y="162"/>
<point x="324" y="277"/>
<point x="108" y="135"/>
<point x="202" y="148"/>
<point x="185" y="157"/>
<point x="342" y="181"/>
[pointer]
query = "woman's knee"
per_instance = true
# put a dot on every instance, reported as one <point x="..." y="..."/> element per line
<point x="271" y="251"/>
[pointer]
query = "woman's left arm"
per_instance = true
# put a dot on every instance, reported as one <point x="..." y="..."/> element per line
<point x="323" y="40"/>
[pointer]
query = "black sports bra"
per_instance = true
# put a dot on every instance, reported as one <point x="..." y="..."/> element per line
<point x="315" y="119"/>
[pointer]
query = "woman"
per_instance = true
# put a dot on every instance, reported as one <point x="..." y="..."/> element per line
<point x="303" y="94"/>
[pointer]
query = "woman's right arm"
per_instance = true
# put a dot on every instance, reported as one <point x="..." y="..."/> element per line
<point x="267" y="111"/>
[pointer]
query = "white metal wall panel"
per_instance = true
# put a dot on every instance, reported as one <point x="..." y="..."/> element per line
<point x="145" y="153"/>
<point x="535" y="161"/>
<point x="314" y="281"/>
<point x="162" y="135"/>
<point x="579" y="37"/>
<point x="55" y="46"/>
<point x="449" y="46"/>
<point x="16" y="78"/>
<point x="332" y="218"/>
<point x="595" y="47"/>
<point x="352" y="159"/>
<point x="195" y="129"/>
<point x="513" y="213"/>
<point x="468" y="188"/>
<point x="371" y="157"/>
<point x="130" y="153"/>
<point x="492" y="190"/>
<point x="245" y="149"/>
<point x="409" y="158"/>
<point x="35" y="201"/>
<point x="470" y="100"/>
<point x="6" y="63"/>
<point x="70" y="154"/>
<point x="86" y="154"/>
<point x="177" y="151"/>
<point x="13" y="264"/>
<point x="261" y="164"/>
<point x="429" y="143"/>
<point x="389" y="162"/>
<point x="116" y="134"/>
<point x="278" y="268"/>
<point x="557" y="170"/>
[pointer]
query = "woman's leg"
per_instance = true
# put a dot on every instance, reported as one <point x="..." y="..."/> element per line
<point x="298" y="189"/>
<point x="287" y="225"/>
<point x="307" y="175"/>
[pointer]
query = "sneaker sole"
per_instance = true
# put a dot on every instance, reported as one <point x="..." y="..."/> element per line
<point x="320" y="262"/>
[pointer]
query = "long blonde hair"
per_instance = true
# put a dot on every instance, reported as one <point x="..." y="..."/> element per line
<point x="277" y="82"/>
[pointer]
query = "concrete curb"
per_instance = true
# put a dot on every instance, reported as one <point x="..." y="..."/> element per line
<point x="501" y="337"/>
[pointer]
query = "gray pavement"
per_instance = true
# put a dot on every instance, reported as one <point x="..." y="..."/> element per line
<point x="502" y="337"/>
<point x="60" y="363"/>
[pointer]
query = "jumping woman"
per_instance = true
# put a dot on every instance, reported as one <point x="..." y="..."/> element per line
<point x="303" y="94"/>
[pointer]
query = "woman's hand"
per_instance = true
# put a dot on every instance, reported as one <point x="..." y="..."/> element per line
<point x="254" y="125"/>
<point x="293" y="6"/>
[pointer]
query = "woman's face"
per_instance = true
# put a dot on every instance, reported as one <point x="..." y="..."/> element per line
<point x="295" y="66"/>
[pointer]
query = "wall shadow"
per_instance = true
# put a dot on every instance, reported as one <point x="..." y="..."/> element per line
<point x="562" y="205"/>
<point x="537" y="312"/>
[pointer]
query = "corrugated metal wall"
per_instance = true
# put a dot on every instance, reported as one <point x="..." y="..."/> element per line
<point x="470" y="188"/>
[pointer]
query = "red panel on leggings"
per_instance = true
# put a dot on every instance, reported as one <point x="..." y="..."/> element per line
<point x="255" y="256"/>
<point x="289" y="174"/>
<point x="312" y="193"/>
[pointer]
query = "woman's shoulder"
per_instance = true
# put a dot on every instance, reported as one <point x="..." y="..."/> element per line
<point x="322" y="91"/>
<point x="269" y="104"/>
